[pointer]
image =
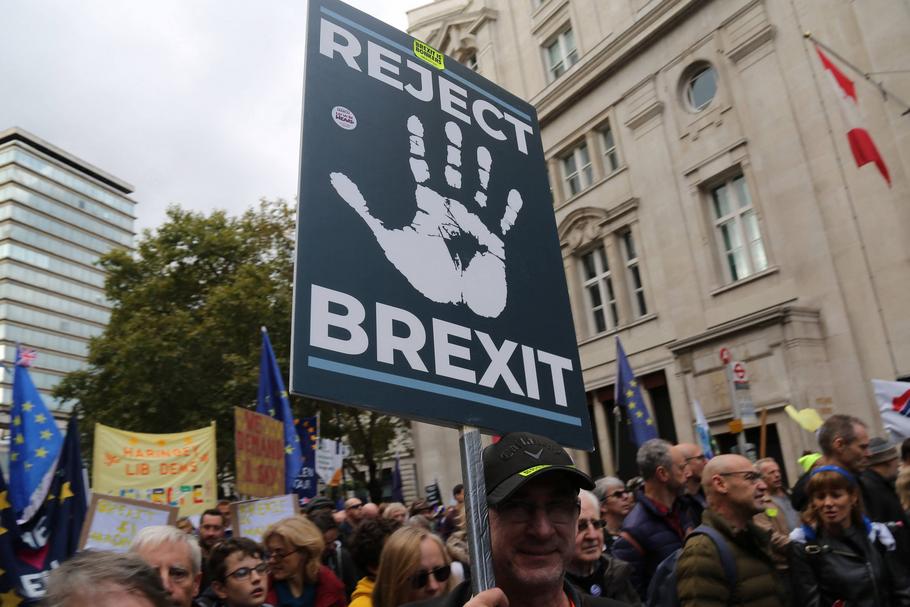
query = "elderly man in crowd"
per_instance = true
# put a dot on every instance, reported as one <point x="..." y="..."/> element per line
<point x="694" y="496"/>
<point x="104" y="579"/>
<point x="177" y="558"/>
<point x="658" y="523"/>
<point x="532" y="491"/>
<point x="735" y="492"/>
<point x="616" y="503"/>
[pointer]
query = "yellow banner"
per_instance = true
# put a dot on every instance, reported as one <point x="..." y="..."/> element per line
<point x="171" y="469"/>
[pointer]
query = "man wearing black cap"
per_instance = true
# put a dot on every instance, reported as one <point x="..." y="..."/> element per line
<point x="532" y="493"/>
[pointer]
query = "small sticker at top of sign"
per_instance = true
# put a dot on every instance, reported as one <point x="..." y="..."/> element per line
<point x="344" y="118"/>
<point x="429" y="54"/>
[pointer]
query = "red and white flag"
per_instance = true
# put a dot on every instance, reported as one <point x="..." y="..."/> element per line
<point x="861" y="144"/>
<point x="893" y="399"/>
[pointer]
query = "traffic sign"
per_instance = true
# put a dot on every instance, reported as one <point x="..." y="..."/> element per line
<point x="725" y="356"/>
<point x="739" y="372"/>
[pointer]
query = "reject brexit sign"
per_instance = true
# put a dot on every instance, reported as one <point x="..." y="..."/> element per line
<point x="429" y="282"/>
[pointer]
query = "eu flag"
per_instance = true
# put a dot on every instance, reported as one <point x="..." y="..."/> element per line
<point x="9" y="533"/>
<point x="397" y="487"/>
<point x="273" y="400"/>
<point x="628" y="396"/>
<point x="307" y="431"/>
<point x="34" y="442"/>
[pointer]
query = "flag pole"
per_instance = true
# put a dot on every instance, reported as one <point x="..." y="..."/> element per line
<point x="866" y="75"/>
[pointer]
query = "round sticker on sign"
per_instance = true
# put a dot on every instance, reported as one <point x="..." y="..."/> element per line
<point x="344" y="117"/>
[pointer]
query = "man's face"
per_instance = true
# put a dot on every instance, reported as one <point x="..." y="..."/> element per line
<point x="243" y="586"/>
<point x="329" y="536"/>
<point x="459" y="497"/>
<point x="352" y="508"/>
<point x="695" y="460"/>
<point x="211" y="531"/>
<point x="589" y="537"/>
<point x="853" y="455"/>
<point x="679" y="471"/>
<point x="745" y="489"/>
<point x="174" y="564"/>
<point x="533" y="534"/>
<point x="770" y="473"/>
<point x="617" y="501"/>
<point x="225" y="510"/>
<point x="888" y="470"/>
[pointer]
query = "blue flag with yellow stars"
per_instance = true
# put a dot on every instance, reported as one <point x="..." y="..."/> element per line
<point x="273" y="401"/>
<point x="9" y="534"/>
<point x="628" y="397"/>
<point x="34" y="442"/>
<point x="308" y="432"/>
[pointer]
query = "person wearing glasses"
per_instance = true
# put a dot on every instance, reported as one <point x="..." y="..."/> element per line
<point x="240" y="573"/>
<point x="413" y="566"/>
<point x="838" y="556"/>
<point x="694" y="496"/>
<point x="532" y="493"/>
<point x="735" y="493"/>
<point x="616" y="502"/>
<point x="298" y="578"/>
<point x="592" y="570"/>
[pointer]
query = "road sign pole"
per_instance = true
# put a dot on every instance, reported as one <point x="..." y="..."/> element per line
<point x="475" y="504"/>
<point x="734" y="407"/>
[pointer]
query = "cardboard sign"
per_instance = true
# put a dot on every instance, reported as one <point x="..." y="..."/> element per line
<point x="429" y="279"/>
<point x="112" y="522"/>
<point x="251" y="518"/>
<point x="259" y="453"/>
<point x="170" y="469"/>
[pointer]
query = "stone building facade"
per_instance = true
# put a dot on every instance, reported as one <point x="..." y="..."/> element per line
<point x="706" y="197"/>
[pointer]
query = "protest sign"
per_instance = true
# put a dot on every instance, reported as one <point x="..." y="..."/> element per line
<point x="329" y="459"/>
<point x="252" y="517"/>
<point x="171" y="469"/>
<point x="112" y="522"/>
<point x="429" y="279"/>
<point x="259" y="453"/>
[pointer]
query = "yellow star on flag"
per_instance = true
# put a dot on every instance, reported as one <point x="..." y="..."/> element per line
<point x="2" y="531"/>
<point x="9" y="599"/>
<point x="40" y="418"/>
<point x="633" y="383"/>
<point x="66" y="491"/>
<point x="20" y="439"/>
<point x="41" y="452"/>
<point x="4" y="503"/>
<point x="272" y="412"/>
<point x="629" y="393"/>
<point x="632" y="405"/>
<point x="639" y="414"/>
<point x="17" y="421"/>
<point x="28" y="465"/>
<point x="284" y="394"/>
<point x="50" y="497"/>
<point x="288" y="449"/>
<point x="14" y="457"/>
<point x="27" y="407"/>
<point x="650" y="422"/>
<point x="46" y="435"/>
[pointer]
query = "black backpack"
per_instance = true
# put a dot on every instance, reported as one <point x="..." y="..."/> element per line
<point x="662" y="589"/>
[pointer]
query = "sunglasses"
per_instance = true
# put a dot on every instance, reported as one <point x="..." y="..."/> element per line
<point x="617" y="493"/>
<point x="594" y="522"/>
<point x="440" y="574"/>
<point x="750" y="475"/>
<point x="244" y="572"/>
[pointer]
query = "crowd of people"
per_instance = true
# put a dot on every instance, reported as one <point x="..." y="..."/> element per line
<point x="688" y="531"/>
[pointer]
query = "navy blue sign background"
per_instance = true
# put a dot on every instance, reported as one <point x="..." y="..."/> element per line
<point x="375" y="147"/>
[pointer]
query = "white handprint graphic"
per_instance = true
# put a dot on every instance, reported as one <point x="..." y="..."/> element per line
<point x="421" y="251"/>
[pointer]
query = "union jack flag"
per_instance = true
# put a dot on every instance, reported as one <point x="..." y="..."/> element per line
<point x="26" y="357"/>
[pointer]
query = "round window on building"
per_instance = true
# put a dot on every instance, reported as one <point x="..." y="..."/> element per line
<point x="699" y="86"/>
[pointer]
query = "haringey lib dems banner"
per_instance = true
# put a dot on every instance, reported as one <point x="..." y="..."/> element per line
<point x="429" y="280"/>
<point x="172" y="469"/>
<point x="259" y="453"/>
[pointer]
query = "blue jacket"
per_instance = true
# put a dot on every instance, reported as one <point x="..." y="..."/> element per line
<point x="647" y="538"/>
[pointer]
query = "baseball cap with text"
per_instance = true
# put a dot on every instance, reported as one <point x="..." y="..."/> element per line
<point x="520" y="457"/>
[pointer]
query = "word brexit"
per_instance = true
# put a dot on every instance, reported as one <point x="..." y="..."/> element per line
<point x="336" y="324"/>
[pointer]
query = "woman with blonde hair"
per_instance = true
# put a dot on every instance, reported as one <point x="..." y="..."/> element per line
<point x="396" y="511"/>
<point x="297" y="575"/>
<point x="414" y="566"/>
<point x="839" y="557"/>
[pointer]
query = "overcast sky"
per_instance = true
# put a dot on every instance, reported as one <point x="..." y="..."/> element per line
<point x="195" y="102"/>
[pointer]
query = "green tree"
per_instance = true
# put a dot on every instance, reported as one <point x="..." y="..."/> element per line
<point x="183" y="342"/>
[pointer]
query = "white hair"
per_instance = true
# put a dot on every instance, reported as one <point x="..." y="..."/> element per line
<point x="584" y="494"/>
<point x="155" y="535"/>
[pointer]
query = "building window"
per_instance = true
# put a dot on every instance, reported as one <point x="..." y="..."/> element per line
<point x="736" y="228"/>
<point x="599" y="294"/>
<point x="700" y="86"/>
<point x="611" y="157"/>
<point x="576" y="170"/>
<point x="561" y="54"/>
<point x="633" y="275"/>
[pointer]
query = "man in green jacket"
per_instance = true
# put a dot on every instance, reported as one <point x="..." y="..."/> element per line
<point x="735" y="493"/>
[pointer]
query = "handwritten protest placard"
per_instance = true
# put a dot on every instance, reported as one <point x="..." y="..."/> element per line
<point x="112" y="522"/>
<point x="251" y="518"/>
<point x="259" y="453"/>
